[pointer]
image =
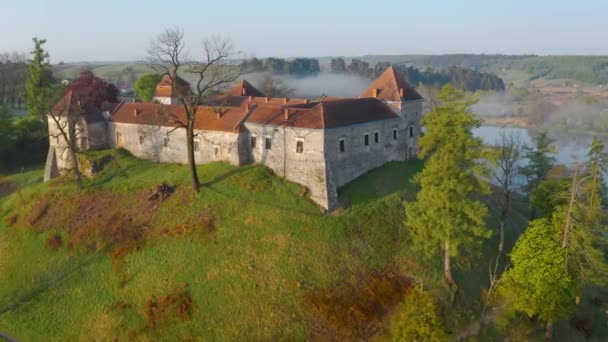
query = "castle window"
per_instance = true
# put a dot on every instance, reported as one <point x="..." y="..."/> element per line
<point x="342" y="145"/>
<point x="196" y="146"/>
<point x="299" y="146"/>
<point x="268" y="143"/>
<point x="141" y="139"/>
<point x="376" y="137"/>
<point x="394" y="134"/>
<point x="411" y="131"/>
<point x="216" y="151"/>
<point x="366" y="139"/>
<point x="166" y="142"/>
<point x="253" y="142"/>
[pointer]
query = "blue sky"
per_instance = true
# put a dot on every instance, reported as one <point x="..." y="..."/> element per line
<point x="122" y="29"/>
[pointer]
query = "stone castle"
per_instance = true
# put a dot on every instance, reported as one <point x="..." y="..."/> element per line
<point x="321" y="144"/>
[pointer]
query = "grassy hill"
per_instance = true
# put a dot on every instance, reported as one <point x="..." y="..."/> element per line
<point x="249" y="258"/>
<point x="247" y="251"/>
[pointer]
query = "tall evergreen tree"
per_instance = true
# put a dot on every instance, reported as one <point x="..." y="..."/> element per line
<point x="581" y="222"/>
<point x="446" y="215"/>
<point x="39" y="80"/>
<point x="541" y="158"/>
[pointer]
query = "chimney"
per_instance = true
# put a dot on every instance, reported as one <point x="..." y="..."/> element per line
<point x="267" y="99"/>
<point x="218" y="114"/>
<point x="250" y="98"/>
<point x="375" y="92"/>
<point x="306" y="101"/>
<point x="285" y="100"/>
<point x="401" y="92"/>
<point x="286" y="113"/>
<point x="243" y="91"/>
<point x="135" y="112"/>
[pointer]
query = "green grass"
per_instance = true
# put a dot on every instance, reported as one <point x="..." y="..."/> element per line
<point x="247" y="279"/>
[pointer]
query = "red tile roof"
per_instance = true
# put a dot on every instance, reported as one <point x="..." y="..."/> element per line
<point x="323" y="115"/>
<point x="165" y="88"/>
<point x="165" y="115"/>
<point x="244" y="88"/>
<point x="390" y="86"/>
<point x="68" y="102"/>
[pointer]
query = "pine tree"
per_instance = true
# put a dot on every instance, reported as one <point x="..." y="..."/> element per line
<point x="446" y="215"/>
<point x="581" y="221"/>
<point x="39" y="80"/>
<point x="541" y="158"/>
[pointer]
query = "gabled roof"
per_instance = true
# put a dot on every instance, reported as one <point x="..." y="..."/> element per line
<point x="154" y="114"/>
<point x="244" y="88"/>
<point x="391" y="86"/>
<point x="165" y="88"/>
<point x="68" y="103"/>
<point x="323" y="115"/>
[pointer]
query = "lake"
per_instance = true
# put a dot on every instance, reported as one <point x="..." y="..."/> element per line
<point x="570" y="147"/>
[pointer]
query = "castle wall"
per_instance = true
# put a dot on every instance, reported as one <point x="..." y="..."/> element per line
<point x="305" y="166"/>
<point x="357" y="158"/>
<point x="412" y="114"/>
<point x="165" y="145"/>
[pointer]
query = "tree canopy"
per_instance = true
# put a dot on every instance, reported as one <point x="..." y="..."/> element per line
<point x="146" y="85"/>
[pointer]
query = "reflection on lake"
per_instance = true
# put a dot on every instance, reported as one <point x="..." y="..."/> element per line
<point x="570" y="147"/>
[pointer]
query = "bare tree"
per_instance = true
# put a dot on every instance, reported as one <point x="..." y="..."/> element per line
<point x="508" y="156"/>
<point x="211" y="71"/>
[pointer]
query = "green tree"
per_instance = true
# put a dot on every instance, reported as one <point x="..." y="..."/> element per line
<point x="538" y="283"/>
<point x="581" y="221"/>
<point x="39" y="80"/>
<point x="7" y="138"/>
<point x="541" y="159"/>
<point x="145" y="86"/>
<point x="447" y="215"/>
<point x="418" y="319"/>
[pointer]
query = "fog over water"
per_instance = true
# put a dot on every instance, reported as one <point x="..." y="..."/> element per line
<point x="324" y="83"/>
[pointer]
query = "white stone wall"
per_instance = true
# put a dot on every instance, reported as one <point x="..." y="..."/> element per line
<point x="358" y="158"/>
<point x="165" y="145"/>
<point x="306" y="167"/>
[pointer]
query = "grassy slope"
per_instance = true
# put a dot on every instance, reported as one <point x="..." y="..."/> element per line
<point x="269" y="247"/>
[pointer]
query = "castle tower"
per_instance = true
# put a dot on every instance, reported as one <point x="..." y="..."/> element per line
<point x="168" y="93"/>
<point x="394" y="90"/>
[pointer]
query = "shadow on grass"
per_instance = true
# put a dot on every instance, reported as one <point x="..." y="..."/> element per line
<point x="385" y="180"/>
<point x="45" y="282"/>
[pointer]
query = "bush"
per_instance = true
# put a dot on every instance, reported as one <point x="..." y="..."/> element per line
<point x="418" y="319"/>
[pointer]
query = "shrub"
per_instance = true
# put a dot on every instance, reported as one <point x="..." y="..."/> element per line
<point x="418" y="319"/>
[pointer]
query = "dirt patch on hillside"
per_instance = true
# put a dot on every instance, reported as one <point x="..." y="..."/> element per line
<point x="354" y="311"/>
<point x="109" y="222"/>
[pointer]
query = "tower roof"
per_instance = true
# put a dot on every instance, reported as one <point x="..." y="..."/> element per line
<point x="391" y="86"/>
<point x="244" y="88"/>
<point x="165" y="88"/>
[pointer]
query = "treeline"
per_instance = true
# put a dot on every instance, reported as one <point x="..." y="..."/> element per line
<point x="13" y="74"/>
<point x="280" y="66"/>
<point x="557" y="266"/>
<point x="461" y="78"/>
<point x="23" y="141"/>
